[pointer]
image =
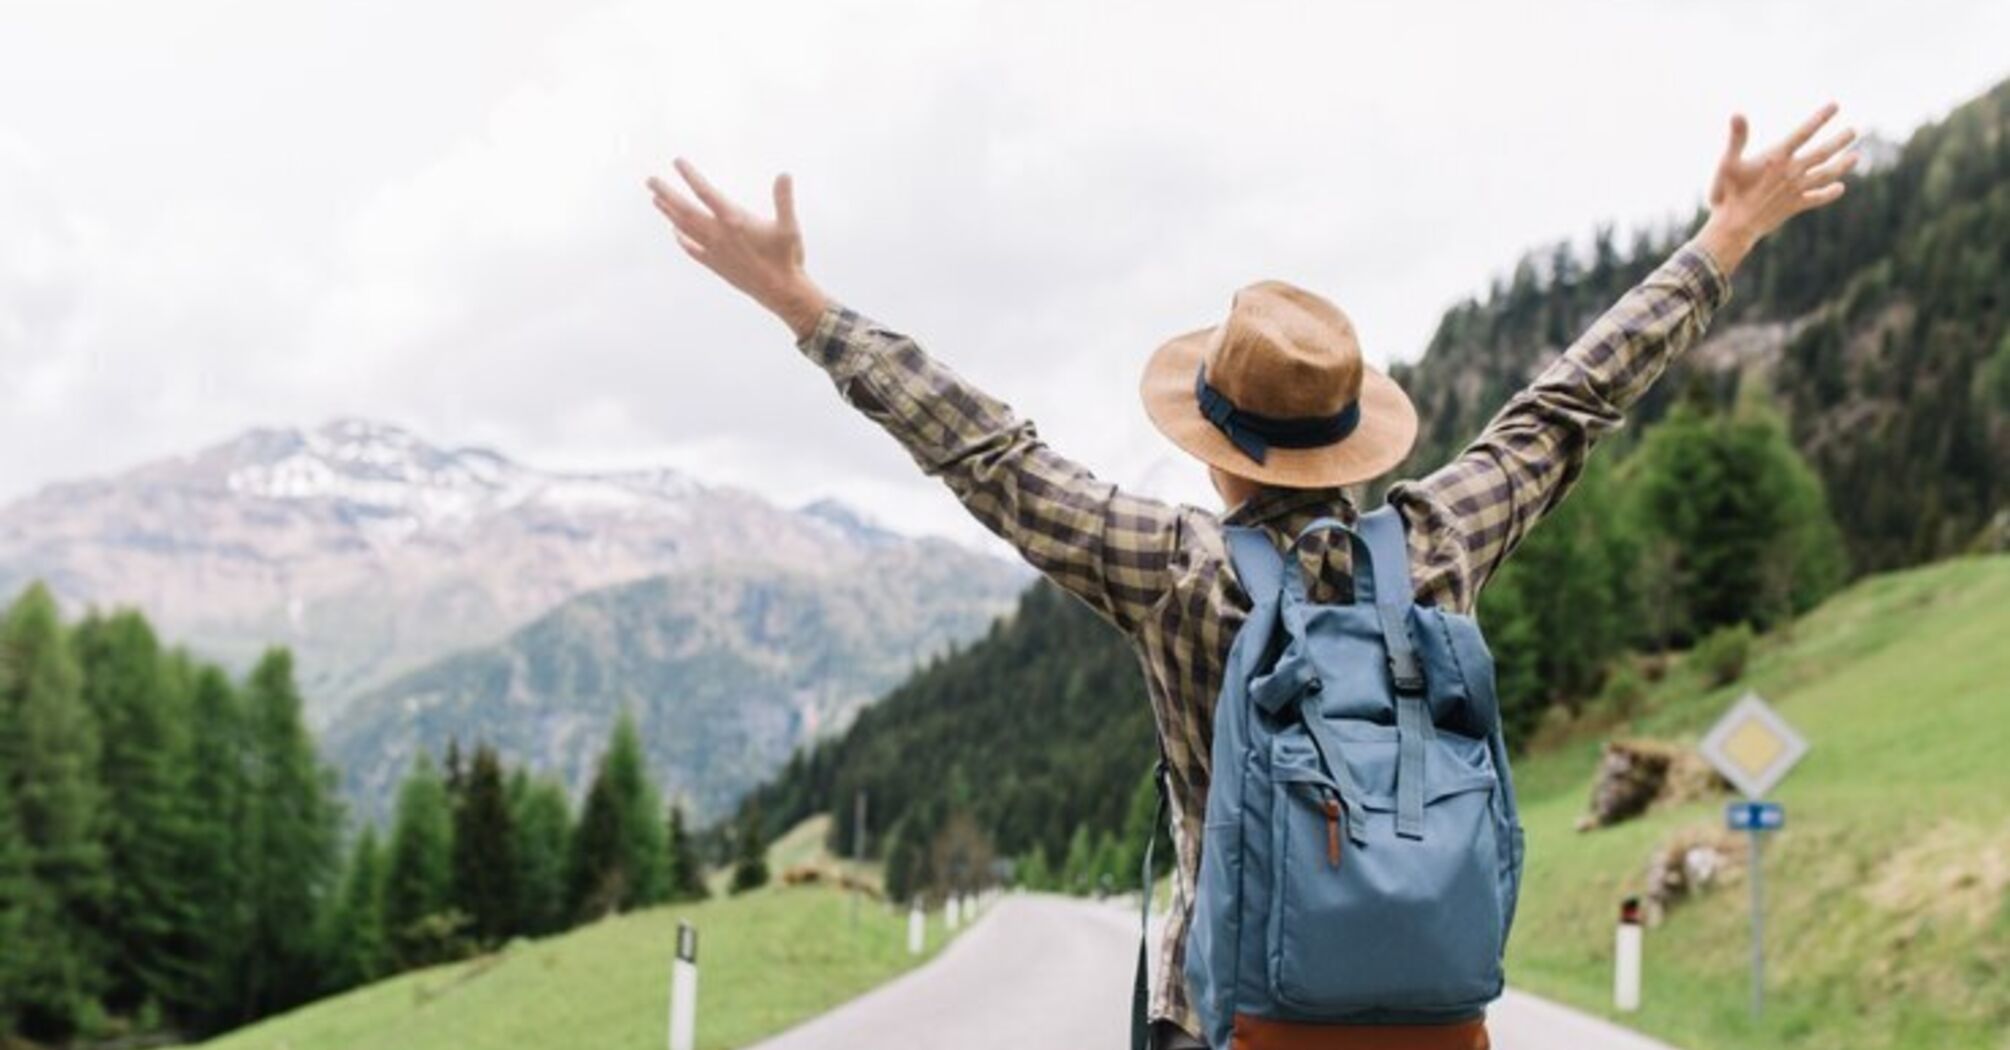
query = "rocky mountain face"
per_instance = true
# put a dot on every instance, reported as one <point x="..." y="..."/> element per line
<point x="371" y="552"/>
<point x="727" y="668"/>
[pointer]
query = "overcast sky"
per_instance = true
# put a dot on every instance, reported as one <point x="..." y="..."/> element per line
<point x="222" y="214"/>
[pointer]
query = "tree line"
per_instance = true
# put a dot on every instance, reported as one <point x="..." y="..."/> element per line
<point x="1034" y="743"/>
<point x="172" y="856"/>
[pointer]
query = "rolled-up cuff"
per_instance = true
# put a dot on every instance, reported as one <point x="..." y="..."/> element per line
<point x="827" y="342"/>
<point x="1699" y="272"/>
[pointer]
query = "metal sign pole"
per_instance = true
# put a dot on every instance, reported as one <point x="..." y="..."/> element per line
<point x="1758" y="923"/>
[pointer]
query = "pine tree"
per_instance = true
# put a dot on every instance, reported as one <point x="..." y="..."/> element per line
<point x="1104" y="876"/>
<point x="1734" y="522"/>
<point x="1078" y="869"/>
<point x="684" y="869"/>
<point x="904" y="861"/>
<point x="1035" y="872"/>
<point x="750" y="861"/>
<point x="419" y="884"/>
<point x="617" y="853"/>
<point x="149" y="823"/>
<point x="1565" y="604"/>
<point x="485" y="865"/>
<point x="219" y="794"/>
<point x="597" y="873"/>
<point x="15" y="903"/>
<point x="456" y="773"/>
<point x="1517" y="647"/>
<point x="291" y="844"/>
<point x="49" y="752"/>
<point x="544" y="830"/>
<point x="356" y="945"/>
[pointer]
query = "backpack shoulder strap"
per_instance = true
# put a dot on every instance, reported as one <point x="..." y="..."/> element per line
<point x="1389" y="553"/>
<point x="1258" y="566"/>
<point x="1381" y="532"/>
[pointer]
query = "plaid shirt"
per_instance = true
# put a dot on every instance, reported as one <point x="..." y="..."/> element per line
<point x="1160" y="572"/>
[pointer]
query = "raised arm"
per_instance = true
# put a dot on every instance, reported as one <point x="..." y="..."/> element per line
<point x="1528" y="457"/>
<point x="1105" y="546"/>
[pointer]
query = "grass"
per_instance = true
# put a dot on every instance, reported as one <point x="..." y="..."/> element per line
<point x="1889" y="892"/>
<point x="768" y="960"/>
<point x="1888" y="916"/>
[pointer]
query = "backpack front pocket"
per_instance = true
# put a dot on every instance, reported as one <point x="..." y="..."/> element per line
<point x="1364" y="920"/>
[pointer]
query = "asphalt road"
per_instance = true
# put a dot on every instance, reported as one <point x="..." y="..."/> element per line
<point x="1052" y="973"/>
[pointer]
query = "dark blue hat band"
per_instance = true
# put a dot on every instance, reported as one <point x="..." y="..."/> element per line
<point x="1256" y="434"/>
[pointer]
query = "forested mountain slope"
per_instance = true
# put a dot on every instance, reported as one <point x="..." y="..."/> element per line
<point x="726" y="669"/>
<point x="1878" y="326"/>
<point x="1037" y="729"/>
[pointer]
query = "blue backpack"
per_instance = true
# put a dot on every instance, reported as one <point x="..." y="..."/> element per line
<point x="1362" y="854"/>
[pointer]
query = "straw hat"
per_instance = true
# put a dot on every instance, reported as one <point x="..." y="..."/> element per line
<point x="1278" y="393"/>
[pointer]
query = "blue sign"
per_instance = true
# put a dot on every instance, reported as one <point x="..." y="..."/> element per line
<point x="1755" y="816"/>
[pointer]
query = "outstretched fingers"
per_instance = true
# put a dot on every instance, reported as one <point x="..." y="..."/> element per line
<point x="1808" y="128"/>
<point x="1833" y="171"/>
<point x="1820" y="155"/>
<point x="722" y="209"/>
<point x="785" y="202"/>
<point x="680" y="210"/>
<point x="1741" y="130"/>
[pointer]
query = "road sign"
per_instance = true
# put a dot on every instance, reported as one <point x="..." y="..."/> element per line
<point x="1753" y="746"/>
<point x="1755" y="816"/>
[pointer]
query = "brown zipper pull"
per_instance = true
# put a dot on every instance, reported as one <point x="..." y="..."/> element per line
<point x="1333" y="831"/>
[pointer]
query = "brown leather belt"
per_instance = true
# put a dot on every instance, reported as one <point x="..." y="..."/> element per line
<point x="1257" y="1033"/>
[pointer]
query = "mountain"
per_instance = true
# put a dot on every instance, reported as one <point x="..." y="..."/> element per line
<point x="1039" y="728"/>
<point x="727" y="668"/>
<point x="371" y="552"/>
<point x="1877" y="326"/>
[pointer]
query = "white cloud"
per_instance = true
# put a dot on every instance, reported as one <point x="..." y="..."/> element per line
<point x="247" y="213"/>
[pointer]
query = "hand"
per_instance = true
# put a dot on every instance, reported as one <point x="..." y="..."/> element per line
<point x="761" y="257"/>
<point x="1752" y="197"/>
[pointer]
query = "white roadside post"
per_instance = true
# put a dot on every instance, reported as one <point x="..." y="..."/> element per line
<point x="1626" y="958"/>
<point x="949" y="916"/>
<point x="684" y="989"/>
<point x="1754" y="748"/>
<point x="917" y="922"/>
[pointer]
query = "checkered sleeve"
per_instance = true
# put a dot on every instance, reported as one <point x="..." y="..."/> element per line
<point x="1103" y="545"/>
<point x="1533" y="451"/>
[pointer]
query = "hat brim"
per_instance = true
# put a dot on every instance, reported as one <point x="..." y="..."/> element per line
<point x="1387" y="430"/>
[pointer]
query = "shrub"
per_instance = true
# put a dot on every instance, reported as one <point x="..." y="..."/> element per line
<point x="1723" y="654"/>
<point x="1625" y="688"/>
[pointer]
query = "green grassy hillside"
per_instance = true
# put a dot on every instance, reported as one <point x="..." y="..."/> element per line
<point x="1889" y="915"/>
<point x="769" y="960"/>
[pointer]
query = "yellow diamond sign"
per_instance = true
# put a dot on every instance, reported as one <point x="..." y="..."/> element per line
<point x="1753" y="746"/>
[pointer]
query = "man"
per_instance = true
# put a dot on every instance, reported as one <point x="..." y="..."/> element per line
<point x="1279" y="405"/>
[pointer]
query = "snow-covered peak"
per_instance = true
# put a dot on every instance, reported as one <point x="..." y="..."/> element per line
<point x="850" y="521"/>
<point x="394" y="473"/>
